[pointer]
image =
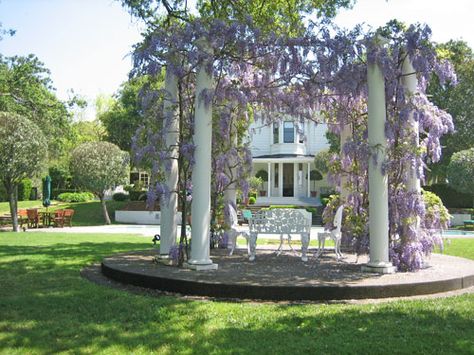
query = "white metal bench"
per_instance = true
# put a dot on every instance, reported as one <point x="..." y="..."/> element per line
<point x="283" y="221"/>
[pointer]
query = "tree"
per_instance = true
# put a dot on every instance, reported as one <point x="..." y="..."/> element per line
<point x="125" y="113"/>
<point x="457" y="100"/>
<point x="26" y="89"/>
<point x="461" y="171"/>
<point x="99" y="166"/>
<point x="23" y="151"/>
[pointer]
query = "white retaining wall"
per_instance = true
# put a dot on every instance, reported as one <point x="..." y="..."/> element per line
<point x="141" y="217"/>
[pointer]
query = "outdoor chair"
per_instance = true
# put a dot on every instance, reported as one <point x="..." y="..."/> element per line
<point x="22" y="218"/>
<point x="32" y="217"/>
<point x="334" y="234"/>
<point x="67" y="218"/>
<point x="58" y="219"/>
<point x="233" y="233"/>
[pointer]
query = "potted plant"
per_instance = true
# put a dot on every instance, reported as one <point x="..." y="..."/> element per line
<point x="263" y="176"/>
<point x="314" y="175"/>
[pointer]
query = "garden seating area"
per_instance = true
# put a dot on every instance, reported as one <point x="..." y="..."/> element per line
<point x="36" y="218"/>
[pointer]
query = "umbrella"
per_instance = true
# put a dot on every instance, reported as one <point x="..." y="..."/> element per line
<point x="46" y="191"/>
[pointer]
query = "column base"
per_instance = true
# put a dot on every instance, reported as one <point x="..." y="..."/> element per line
<point x="379" y="268"/>
<point x="164" y="261"/>
<point x="200" y="267"/>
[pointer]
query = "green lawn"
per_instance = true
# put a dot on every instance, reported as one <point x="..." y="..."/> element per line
<point x="46" y="307"/>
<point x="86" y="213"/>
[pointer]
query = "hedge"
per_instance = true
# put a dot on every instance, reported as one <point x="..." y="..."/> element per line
<point x="120" y="196"/>
<point x="76" y="196"/>
<point x="24" y="190"/>
<point x="450" y="197"/>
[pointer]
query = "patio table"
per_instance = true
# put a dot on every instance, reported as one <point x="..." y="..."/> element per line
<point x="46" y="218"/>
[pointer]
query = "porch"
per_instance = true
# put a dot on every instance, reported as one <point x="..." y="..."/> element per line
<point x="288" y="180"/>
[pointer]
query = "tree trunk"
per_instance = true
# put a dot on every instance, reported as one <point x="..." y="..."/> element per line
<point x="12" y="199"/>
<point x="104" y="209"/>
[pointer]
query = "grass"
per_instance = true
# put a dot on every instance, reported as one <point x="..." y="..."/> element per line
<point x="46" y="307"/>
<point x="463" y="247"/>
<point x="86" y="213"/>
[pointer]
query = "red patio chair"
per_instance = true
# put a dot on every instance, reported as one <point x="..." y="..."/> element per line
<point x="68" y="213"/>
<point x="33" y="217"/>
<point x="58" y="219"/>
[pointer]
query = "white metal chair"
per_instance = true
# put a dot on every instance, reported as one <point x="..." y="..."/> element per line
<point x="334" y="234"/>
<point x="233" y="233"/>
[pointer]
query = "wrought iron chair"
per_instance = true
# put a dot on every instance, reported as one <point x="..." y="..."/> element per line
<point x="334" y="234"/>
<point x="233" y="233"/>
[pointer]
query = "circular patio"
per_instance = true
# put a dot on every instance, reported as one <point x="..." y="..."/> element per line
<point x="286" y="277"/>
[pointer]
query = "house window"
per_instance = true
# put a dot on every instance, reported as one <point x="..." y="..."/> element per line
<point x="288" y="132"/>
<point x="276" y="134"/>
<point x="145" y="179"/>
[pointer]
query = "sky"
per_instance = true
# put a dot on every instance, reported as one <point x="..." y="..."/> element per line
<point x="86" y="44"/>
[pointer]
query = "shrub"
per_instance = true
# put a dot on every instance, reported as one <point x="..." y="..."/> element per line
<point x="56" y="192"/>
<point x="436" y="215"/>
<point x="137" y="195"/>
<point x="3" y="193"/>
<point x="119" y="196"/>
<point x="252" y="200"/>
<point x="24" y="190"/>
<point x="461" y="172"/>
<point x="76" y="196"/>
<point x="262" y="174"/>
<point x="450" y="197"/>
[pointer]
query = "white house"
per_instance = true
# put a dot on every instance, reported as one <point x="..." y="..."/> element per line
<point x="286" y="150"/>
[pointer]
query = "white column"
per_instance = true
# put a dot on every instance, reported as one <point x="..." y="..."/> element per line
<point x="201" y="176"/>
<point x="295" y="180"/>
<point x="345" y="135"/>
<point x="410" y="84"/>
<point x="169" y="208"/>
<point x="309" y="180"/>
<point x="280" y="179"/>
<point x="378" y="183"/>
<point x="269" y="185"/>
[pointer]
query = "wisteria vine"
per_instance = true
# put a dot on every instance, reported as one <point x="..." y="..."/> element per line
<point x="320" y="76"/>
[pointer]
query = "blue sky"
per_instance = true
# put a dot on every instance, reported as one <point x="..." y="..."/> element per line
<point x="86" y="43"/>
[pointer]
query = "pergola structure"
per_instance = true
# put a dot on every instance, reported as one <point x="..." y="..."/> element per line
<point x="201" y="176"/>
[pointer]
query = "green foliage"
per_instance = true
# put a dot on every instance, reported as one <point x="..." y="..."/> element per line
<point x="23" y="149"/>
<point x="137" y="191"/>
<point x="457" y="100"/>
<point x="75" y="197"/>
<point x="255" y="183"/>
<point x="60" y="177"/>
<point x="56" y="192"/>
<point x="124" y="115"/>
<point x="321" y="161"/>
<point x="461" y="171"/>
<point x="99" y="166"/>
<point x="120" y="196"/>
<point x="252" y="200"/>
<point x="334" y="142"/>
<point x="433" y="208"/>
<point x="26" y="89"/>
<point x="279" y="16"/>
<point x="24" y="190"/>
<point x="262" y="174"/>
<point x="3" y="193"/>
<point x="315" y="175"/>
<point x="450" y="197"/>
